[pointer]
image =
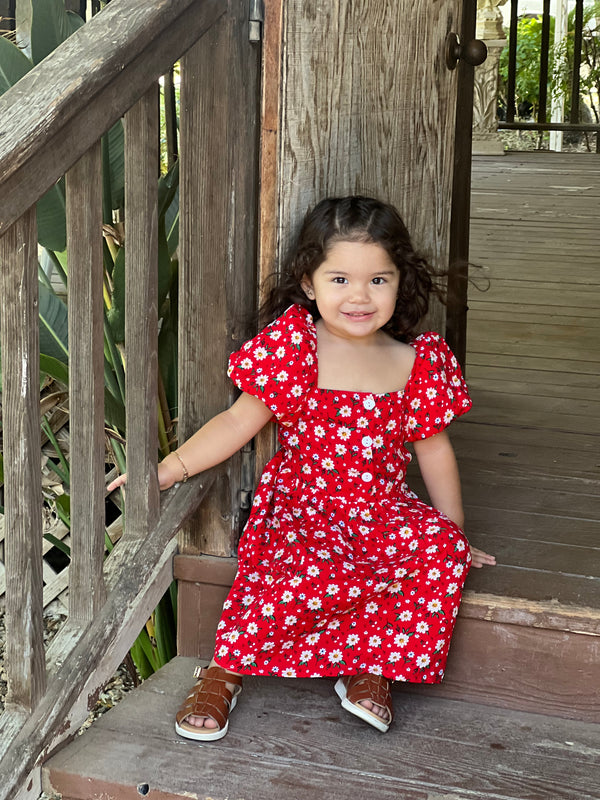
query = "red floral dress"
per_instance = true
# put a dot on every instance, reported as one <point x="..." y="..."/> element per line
<point x="342" y="570"/>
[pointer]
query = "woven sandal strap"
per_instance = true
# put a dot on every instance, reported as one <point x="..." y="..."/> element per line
<point x="369" y="687"/>
<point x="218" y="674"/>
<point x="210" y="697"/>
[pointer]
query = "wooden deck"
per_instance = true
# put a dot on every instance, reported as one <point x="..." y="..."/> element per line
<point x="530" y="449"/>
<point x="528" y="636"/>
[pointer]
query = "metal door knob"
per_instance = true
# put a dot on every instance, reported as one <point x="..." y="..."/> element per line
<point x="473" y="52"/>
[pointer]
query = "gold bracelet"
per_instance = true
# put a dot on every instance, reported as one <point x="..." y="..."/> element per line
<point x="186" y="474"/>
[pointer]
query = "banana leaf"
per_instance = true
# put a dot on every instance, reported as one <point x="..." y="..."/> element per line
<point x="54" y="325"/>
<point x="13" y="64"/>
<point x="51" y="25"/>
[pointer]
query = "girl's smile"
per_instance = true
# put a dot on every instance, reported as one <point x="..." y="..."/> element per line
<point x="355" y="289"/>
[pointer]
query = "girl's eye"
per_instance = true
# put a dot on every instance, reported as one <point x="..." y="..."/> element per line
<point x="339" y="279"/>
<point x="378" y="281"/>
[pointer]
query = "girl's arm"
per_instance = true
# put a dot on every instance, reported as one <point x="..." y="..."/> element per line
<point x="439" y="469"/>
<point x="219" y="438"/>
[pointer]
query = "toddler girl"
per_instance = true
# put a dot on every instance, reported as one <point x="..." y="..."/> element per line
<point x="342" y="571"/>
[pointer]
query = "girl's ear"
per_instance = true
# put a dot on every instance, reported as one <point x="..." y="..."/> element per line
<point x="307" y="287"/>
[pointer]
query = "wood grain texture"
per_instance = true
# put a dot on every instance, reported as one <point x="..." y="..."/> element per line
<point x="265" y="443"/>
<point x="86" y="385"/>
<point x="19" y="333"/>
<point x="142" y="500"/>
<point x="217" y="267"/>
<point x="44" y="112"/>
<point x="291" y="739"/>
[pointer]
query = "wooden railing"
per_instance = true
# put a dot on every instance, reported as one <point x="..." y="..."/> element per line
<point x="50" y="124"/>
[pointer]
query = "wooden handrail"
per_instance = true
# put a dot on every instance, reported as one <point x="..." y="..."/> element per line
<point x="136" y="583"/>
<point x="77" y="93"/>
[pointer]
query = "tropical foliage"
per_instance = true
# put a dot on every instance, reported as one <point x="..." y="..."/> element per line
<point x="560" y="64"/>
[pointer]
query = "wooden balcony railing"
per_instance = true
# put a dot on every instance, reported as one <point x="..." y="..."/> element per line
<point x="50" y="125"/>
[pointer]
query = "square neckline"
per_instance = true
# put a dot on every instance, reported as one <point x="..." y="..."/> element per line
<point x="361" y="392"/>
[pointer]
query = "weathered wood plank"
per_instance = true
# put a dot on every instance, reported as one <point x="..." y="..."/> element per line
<point x="113" y="73"/>
<point x="530" y="613"/>
<point x="521" y="404"/>
<point x="534" y="584"/>
<point x="19" y="334"/>
<point x="450" y="750"/>
<point x="531" y="362"/>
<point x="142" y="501"/>
<point x="514" y="666"/>
<point x="527" y="524"/>
<point x="86" y="384"/>
<point x="511" y="382"/>
<point x="527" y="292"/>
<point x="217" y="266"/>
<point x="137" y="573"/>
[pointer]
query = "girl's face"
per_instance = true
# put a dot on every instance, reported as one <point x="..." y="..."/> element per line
<point x="355" y="289"/>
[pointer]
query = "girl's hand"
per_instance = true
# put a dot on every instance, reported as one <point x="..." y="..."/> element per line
<point x="480" y="559"/>
<point x="120" y="481"/>
<point x="169" y="472"/>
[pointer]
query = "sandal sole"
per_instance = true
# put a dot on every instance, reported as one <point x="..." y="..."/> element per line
<point x="359" y="711"/>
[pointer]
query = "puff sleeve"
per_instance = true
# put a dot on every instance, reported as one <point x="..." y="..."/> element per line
<point x="436" y="392"/>
<point x="279" y="364"/>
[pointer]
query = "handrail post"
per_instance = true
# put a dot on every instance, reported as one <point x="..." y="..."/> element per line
<point x="25" y="662"/>
<point x="86" y="383"/>
<point x="142" y="503"/>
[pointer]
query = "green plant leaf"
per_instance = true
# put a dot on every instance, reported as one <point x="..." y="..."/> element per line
<point x="116" y="314"/>
<point x="54" y="262"/>
<point x="144" y="667"/>
<point x="168" y="187"/>
<point x="54" y="368"/>
<point x="51" y="25"/>
<point x="164" y="630"/>
<point x="114" y="412"/>
<point x="52" y="219"/>
<point x="54" y="325"/>
<point x="167" y="352"/>
<point x="13" y="64"/>
<point x="116" y="155"/>
<point x="60" y="545"/>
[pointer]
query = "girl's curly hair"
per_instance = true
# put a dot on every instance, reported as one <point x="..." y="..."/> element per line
<point x="355" y="219"/>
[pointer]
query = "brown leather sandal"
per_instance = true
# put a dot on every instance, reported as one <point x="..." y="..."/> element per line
<point x="351" y="689"/>
<point x="210" y="697"/>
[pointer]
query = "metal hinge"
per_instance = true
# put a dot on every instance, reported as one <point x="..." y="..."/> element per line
<point x="247" y="477"/>
<point x="256" y="20"/>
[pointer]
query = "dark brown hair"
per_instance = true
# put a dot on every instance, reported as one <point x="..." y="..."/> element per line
<point x="355" y="219"/>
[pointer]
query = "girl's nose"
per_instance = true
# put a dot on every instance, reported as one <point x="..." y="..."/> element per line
<point x="359" y="293"/>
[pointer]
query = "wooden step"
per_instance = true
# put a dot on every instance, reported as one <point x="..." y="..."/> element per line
<point x="290" y="740"/>
<point x="516" y="653"/>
